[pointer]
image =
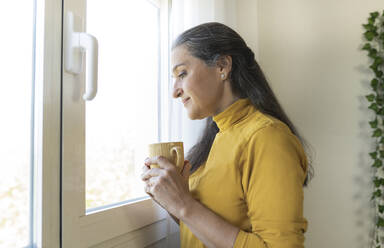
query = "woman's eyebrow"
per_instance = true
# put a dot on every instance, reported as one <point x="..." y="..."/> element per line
<point x="175" y="67"/>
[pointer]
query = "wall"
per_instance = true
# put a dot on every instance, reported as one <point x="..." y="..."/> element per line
<point x="310" y="52"/>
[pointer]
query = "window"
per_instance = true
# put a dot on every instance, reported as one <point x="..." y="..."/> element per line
<point x="104" y="141"/>
<point x="16" y="123"/>
<point x="123" y="117"/>
<point x="70" y="168"/>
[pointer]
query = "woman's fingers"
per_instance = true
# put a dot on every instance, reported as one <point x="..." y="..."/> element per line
<point x="147" y="190"/>
<point x="145" y="168"/>
<point x="152" y="186"/>
<point x="166" y="185"/>
<point x="154" y="172"/>
<point x="161" y="161"/>
<point x="185" y="172"/>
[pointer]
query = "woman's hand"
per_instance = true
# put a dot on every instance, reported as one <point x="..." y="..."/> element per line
<point x="166" y="185"/>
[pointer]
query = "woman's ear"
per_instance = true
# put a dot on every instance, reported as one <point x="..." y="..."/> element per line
<point x="224" y="64"/>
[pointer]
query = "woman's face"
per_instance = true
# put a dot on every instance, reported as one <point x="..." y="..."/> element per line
<point x="200" y="87"/>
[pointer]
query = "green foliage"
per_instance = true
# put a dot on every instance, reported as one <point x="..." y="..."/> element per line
<point x="378" y="163"/>
<point x="377" y="133"/>
<point x="370" y="97"/>
<point x="374" y="46"/>
<point x="378" y="182"/>
<point x="381" y="209"/>
<point x="373" y="123"/>
<point x="374" y="84"/>
<point x="376" y="194"/>
<point x="380" y="222"/>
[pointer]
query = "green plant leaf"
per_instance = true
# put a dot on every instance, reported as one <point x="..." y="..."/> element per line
<point x="374" y="83"/>
<point x="381" y="154"/>
<point x="375" y="194"/>
<point x="377" y="163"/>
<point x="381" y="36"/>
<point x="371" y="20"/>
<point x="370" y="27"/>
<point x="380" y="222"/>
<point x="382" y="140"/>
<point x="381" y="209"/>
<point x="369" y="35"/>
<point x="378" y="73"/>
<point x="367" y="26"/>
<point x="367" y="47"/>
<point x="378" y="181"/>
<point x="378" y="61"/>
<point x="374" y="14"/>
<point x="374" y="107"/>
<point x="370" y="97"/>
<point x="373" y="155"/>
<point x="377" y="133"/>
<point x="372" y="53"/>
<point x="373" y="66"/>
<point x="373" y="123"/>
<point x="380" y="100"/>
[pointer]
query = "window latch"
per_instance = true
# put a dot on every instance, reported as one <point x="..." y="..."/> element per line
<point x="76" y="44"/>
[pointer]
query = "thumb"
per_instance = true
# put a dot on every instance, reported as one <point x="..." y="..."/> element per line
<point x="186" y="169"/>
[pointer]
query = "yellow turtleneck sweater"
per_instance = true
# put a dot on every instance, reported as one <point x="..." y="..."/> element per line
<point x="253" y="178"/>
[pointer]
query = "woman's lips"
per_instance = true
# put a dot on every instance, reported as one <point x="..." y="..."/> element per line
<point x="186" y="100"/>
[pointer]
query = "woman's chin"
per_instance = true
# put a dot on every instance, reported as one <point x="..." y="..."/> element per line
<point x="192" y="116"/>
<point x="195" y="116"/>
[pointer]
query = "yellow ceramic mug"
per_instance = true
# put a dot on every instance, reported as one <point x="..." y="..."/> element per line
<point x="173" y="151"/>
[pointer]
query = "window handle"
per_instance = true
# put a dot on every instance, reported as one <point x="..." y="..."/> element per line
<point x="76" y="44"/>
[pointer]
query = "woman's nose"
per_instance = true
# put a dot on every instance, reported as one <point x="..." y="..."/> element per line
<point x="177" y="91"/>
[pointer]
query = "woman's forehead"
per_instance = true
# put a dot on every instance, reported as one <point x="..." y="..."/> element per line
<point x="180" y="56"/>
<point x="179" y="53"/>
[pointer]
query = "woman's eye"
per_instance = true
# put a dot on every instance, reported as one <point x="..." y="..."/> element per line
<point x="182" y="75"/>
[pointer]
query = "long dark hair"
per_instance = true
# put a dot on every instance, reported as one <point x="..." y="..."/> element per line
<point x="210" y="41"/>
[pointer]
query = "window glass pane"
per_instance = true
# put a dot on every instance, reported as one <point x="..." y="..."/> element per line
<point x="16" y="22"/>
<point x="123" y="117"/>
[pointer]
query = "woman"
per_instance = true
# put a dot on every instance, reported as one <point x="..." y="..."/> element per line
<point x="243" y="184"/>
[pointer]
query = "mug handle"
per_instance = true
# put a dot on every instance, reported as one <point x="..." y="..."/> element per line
<point x="179" y="162"/>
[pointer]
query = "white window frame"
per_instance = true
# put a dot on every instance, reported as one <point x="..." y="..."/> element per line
<point x="141" y="222"/>
<point x="46" y="169"/>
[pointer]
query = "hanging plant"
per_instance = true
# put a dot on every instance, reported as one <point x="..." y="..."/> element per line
<point x="374" y="36"/>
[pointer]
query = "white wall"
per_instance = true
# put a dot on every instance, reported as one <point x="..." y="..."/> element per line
<point x="310" y="53"/>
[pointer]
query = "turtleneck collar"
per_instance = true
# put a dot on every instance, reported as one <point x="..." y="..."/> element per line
<point x="233" y="114"/>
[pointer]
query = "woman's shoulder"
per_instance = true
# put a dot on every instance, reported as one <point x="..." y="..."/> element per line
<point x="272" y="136"/>
<point x="259" y="123"/>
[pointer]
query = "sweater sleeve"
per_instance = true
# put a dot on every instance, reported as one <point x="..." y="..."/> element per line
<point x="273" y="172"/>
